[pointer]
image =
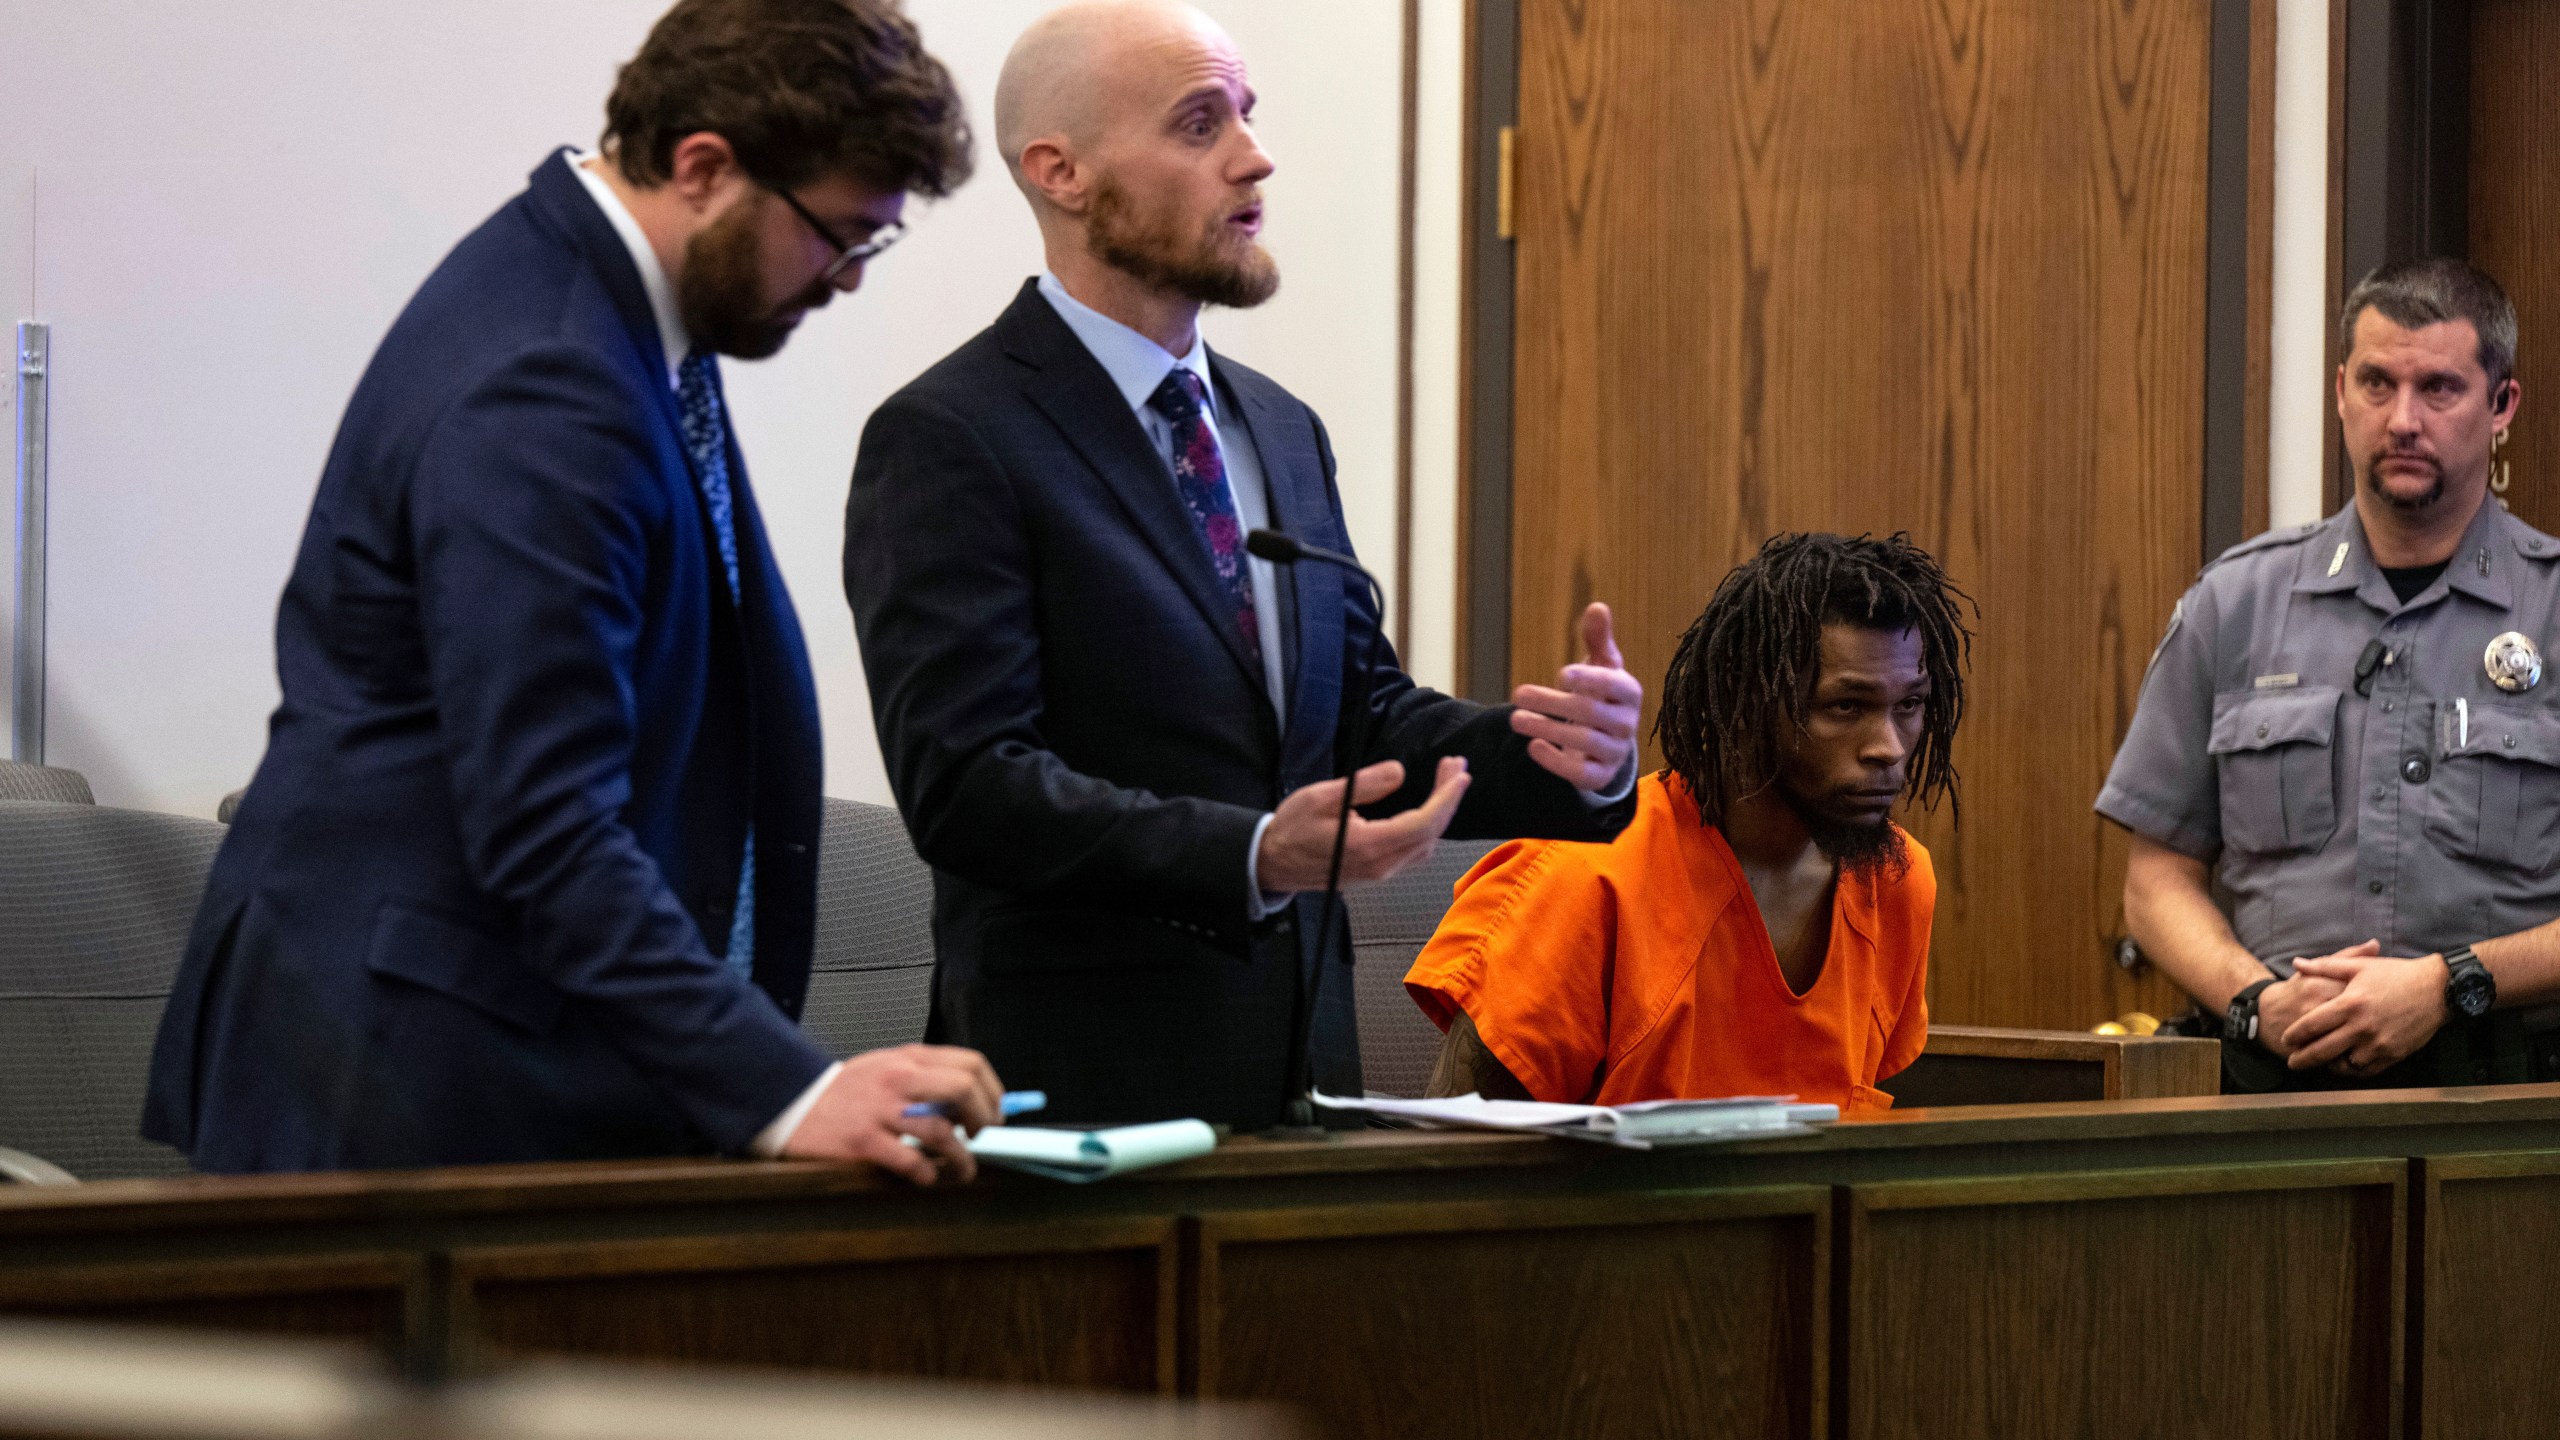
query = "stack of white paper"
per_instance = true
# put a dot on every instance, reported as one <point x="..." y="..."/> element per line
<point x="1082" y="1155"/>
<point x="1639" y="1127"/>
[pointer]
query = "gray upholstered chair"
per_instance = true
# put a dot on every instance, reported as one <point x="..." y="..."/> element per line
<point x="95" y="904"/>
<point x="228" y="807"/>
<point x="871" y="977"/>
<point x="20" y="781"/>
<point x="871" y="974"/>
<point x="1390" y="922"/>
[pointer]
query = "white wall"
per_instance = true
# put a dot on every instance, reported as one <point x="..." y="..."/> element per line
<point x="1438" y="220"/>
<point x="220" y="208"/>
<point x="2299" y="400"/>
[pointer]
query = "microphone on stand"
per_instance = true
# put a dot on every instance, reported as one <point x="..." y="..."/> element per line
<point x="1298" y="1121"/>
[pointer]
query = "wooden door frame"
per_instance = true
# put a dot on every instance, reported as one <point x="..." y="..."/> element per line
<point x="2400" y="147"/>
<point x="1486" y="294"/>
<point x="2240" y="189"/>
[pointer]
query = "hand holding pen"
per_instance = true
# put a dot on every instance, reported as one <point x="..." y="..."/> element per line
<point x="864" y="1112"/>
<point x="1010" y="1104"/>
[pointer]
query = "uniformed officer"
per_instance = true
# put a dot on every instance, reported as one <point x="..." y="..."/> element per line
<point x="2348" y="725"/>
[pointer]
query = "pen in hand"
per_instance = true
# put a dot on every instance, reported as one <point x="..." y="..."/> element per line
<point x="1015" y="1102"/>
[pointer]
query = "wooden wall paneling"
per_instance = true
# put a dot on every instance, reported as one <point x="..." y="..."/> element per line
<point x="2246" y="1299"/>
<point x="2514" y="134"/>
<point x="364" y="1297"/>
<point x="1080" y="1303"/>
<point x="1700" y="1314"/>
<point x="2486" y="1358"/>
<point x="1970" y="306"/>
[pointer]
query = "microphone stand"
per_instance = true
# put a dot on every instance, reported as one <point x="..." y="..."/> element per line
<point x="1298" y="1118"/>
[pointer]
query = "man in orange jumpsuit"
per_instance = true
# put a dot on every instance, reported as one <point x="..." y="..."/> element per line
<point x="1762" y="928"/>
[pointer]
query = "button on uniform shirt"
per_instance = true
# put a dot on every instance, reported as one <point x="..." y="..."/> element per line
<point x="1642" y="970"/>
<point x="2425" y="813"/>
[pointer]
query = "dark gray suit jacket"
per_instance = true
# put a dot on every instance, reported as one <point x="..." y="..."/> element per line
<point x="1083" y="747"/>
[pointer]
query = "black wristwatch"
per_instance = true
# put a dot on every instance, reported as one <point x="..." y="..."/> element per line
<point x="2240" y="1021"/>
<point x="2469" y="989"/>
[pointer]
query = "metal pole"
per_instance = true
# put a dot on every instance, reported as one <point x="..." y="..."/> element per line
<point x="27" y="737"/>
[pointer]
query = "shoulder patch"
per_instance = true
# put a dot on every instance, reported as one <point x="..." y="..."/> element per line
<point x="2283" y="537"/>
<point x="2280" y="536"/>
<point x="2177" y="617"/>
<point x="2532" y="544"/>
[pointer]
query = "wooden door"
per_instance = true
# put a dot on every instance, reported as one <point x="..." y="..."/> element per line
<point x="1835" y="264"/>
<point x="2514" y="169"/>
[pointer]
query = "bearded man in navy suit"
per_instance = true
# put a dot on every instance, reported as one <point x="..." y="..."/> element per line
<point x="1109" y="728"/>
<point x="529" y="869"/>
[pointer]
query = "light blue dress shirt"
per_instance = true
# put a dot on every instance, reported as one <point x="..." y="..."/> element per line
<point x="1137" y="366"/>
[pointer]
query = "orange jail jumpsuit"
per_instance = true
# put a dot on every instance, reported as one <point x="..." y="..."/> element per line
<point x="1641" y="970"/>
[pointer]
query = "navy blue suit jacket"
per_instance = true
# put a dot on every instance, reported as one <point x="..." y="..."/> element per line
<point x="474" y="902"/>
<point x="1082" y="746"/>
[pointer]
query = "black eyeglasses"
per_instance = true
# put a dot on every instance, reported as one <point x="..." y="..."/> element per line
<point x="847" y="256"/>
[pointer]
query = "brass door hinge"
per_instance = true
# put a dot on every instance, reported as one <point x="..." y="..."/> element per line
<point x="1505" y="182"/>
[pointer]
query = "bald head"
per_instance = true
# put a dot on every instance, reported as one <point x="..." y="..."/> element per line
<point x="1084" y="66"/>
<point x="1128" y="125"/>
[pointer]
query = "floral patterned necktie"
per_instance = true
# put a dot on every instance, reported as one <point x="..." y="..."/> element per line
<point x="1201" y="475"/>
<point x="706" y="439"/>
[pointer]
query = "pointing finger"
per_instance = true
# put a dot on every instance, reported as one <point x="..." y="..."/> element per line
<point x="1599" y="638"/>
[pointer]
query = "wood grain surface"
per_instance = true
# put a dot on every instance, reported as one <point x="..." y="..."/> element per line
<point x="2514" y="213"/>
<point x="2201" y="1265"/>
<point x="1667" y="1317"/>
<point x="360" y="1297"/>
<point x="2488" y="1352"/>
<point x="1998" y="1306"/>
<point x="1981" y="1064"/>
<point x="1061" y="1304"/>
<point x="1828" y="264"/>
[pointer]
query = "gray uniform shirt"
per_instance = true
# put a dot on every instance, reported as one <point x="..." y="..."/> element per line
<point x="2425" y="814"/>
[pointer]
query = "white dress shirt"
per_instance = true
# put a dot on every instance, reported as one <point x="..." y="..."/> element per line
<point x="678" y="343"/>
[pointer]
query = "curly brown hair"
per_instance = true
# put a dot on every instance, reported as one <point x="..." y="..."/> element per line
<point x="799" y="89"/>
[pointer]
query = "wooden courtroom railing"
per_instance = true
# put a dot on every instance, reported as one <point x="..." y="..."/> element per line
<point x="113" y="1382"/>
<point x="2377" y="1263"/>
<point x="1984" y="1065"/>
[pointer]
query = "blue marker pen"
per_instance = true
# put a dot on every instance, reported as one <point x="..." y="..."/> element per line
<point x="1015" y="1102"/>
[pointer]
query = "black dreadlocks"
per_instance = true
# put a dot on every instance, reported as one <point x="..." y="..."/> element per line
<point x="1743" y="677"/>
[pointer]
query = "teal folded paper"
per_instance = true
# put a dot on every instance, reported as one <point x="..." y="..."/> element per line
<point x="1087" y="1155"/>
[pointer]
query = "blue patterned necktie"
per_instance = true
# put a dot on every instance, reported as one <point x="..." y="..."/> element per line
<point x="706" y="439"/>
<point x="1200" y="473"/>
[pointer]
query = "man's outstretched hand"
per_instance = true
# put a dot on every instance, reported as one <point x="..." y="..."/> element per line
<point x="1298" y="843"/>
<point x="1585" y="728"/>
<point x="861" y="1114"/>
